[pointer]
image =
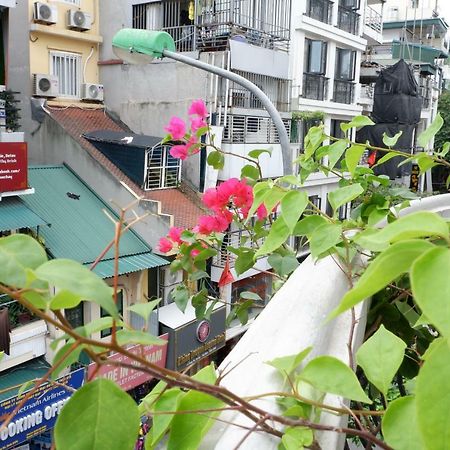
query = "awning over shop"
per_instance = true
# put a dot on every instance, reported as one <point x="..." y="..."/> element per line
<point x="11" y="380"/>
<point x="14" y="214"/>
<point x="80" y="228"/>
<point x="129" y="264"/>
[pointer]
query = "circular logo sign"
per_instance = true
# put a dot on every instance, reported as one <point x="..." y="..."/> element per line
<point x="203" y="330"/>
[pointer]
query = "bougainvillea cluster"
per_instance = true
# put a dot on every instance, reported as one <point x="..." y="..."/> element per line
<point x="231" y="200"/>
<point x="178" y="131"/>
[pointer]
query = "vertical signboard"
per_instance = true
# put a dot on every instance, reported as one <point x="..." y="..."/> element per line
<point x="39" y="413"/>
<point x="13" y="166"/>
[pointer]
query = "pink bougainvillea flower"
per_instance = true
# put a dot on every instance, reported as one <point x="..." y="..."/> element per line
<point x="226" y="190"/>
<point x="195" y="252"/>
<point x="197" y="123"/>
<point x="176" y="128"/>
<point x="175" y="234"/>
<point x="165" y="246"/>
<point x="210" y="199"/>
<point x="192" y="146"/>
<point x="261" y="212"/>
<point x="198" y="108"/>
<point x="179" y="151"/>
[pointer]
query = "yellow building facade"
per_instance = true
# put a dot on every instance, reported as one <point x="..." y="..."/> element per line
<point x="64" y="49"/>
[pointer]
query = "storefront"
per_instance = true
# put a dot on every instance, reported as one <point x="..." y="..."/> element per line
<point x="30" y="427"/>
<point x="192" y="341"/>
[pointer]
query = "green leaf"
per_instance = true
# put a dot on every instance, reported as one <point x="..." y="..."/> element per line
<point x="245" y="260"/>
<point x="400" y="427"/>
<point x="357" y="122"/>
<point x="216" y="160"/>
<point x="385" y="268"/>
<point x="418" y="224"/>
<point x="62" y="359"/>
<point x="248" y="295"/>
<point x="287" y="364"/>
<point x="290" y="179"/>
<point x="313" y="139"/>
<point x="258" y="152"/>
<point x="292" y="206"/>
<point x="445" y="149"/>
<point x="109" y="419"/>
<point x="188" y="430"/>
<point x="391" y="141"/>
<point x="65" y="299"/>
<point x="242" y="311"/>
<point x="344" y="195"/>
<point x="380" y="357"/>
<point x="324" y="238"/>
<point x="295" y="438"/>
<point x="138" y="337"/>
<point x="430" y="282"/>
<point x="25" y="387"/>
<point x="385" y="158"/>
<point x="277" y="236"/>
<point x="180" y="296"/>
<point x="353" y="156"/>
<point x="308" y="225"/>
<point x="427" y="135"/>
<point x="283" y="265"/>
<point x="144" y="309"/>
<point x="205" y="254"/>
<point x="335" y="152"/>
<point x="249" y="171"/>
<point x="329" y="374"/>
<point x="17" y="253"/>
<point x="425" y="163"/>
<point x="71" y="276"/>
<point x="433" y="398"/>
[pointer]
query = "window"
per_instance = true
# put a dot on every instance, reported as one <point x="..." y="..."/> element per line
<point x="350" y="4"/>
<point x="107" y="332"/>
<point x="316" y="56"/>
<point x="162" y="169"/>
<point x="414" y="4"/>
<point x="67" y="67"/>
<point x="75" y="316"/>
<point x="345" y="64"/>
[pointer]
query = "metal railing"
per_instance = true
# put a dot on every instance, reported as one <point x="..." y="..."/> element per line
<point x="320" y="10"/>
<point x="343" y="91"/>
<point x="373" y="19"/>
<point x="315" y="86"/>
<point x="277" y="89"/>
<point x="348" y="20"/>
<point x="240" y="129"/>
<point x="184" y="37"/>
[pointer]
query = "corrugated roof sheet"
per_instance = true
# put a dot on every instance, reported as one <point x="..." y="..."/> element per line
<point x="14" y="213"/>
<point x="80" y="229"/>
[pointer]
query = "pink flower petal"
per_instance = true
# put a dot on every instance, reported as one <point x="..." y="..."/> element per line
<point x="176" y="128"/>
<point x="198" y="108"/>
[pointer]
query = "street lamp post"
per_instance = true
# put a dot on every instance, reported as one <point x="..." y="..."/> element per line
<point x="142" y="46"/>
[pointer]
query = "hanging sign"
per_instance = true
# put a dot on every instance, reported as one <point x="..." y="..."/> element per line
<point x="13" y="166"/>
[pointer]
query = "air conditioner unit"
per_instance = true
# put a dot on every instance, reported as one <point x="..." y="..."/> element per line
<point x="169" y="278"/>
<point x="92" y="92"/>
<point x="165" y="292"/>
<point x="78" y="20"/>
<point x="45" y="14"/>
<point x="45" y="85"/>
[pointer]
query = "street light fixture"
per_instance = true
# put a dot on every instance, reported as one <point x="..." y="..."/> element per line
<point x="137" y="46"/>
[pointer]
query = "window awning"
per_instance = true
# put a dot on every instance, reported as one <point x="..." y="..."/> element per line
<point x="14" y="214"/>
<point x="11" y="380"/>
<point x="129" y="264"/>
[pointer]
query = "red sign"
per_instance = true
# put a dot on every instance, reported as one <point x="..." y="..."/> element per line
<point x="128" y="378"/>
<point x="13" y="166"/>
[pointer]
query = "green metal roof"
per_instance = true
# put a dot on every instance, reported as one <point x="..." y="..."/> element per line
<point x="80" y="230"/>
<point x="14" y="214"/>
<point x="12" y="379"/>
<point x="416" y="52"/>
<point x="417" y="23"/>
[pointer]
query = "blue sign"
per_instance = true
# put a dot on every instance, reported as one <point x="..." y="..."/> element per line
<point x="40" y="411"/>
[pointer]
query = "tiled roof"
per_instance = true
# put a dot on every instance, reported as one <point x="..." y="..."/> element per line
<point x="184" y="207"/>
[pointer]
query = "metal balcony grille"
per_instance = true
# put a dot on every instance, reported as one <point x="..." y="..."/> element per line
<point x="240" y="129"/>
<point x="161" y="169"/>
<point x="320" y="10"/>
<point x="348" y="20"/>
<point x="315" y="86"/>
<point x="343" y="91"/>
<point x="373" y="19"/>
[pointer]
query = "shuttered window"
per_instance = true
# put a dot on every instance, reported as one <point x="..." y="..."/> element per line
<point x="67" y="67"/>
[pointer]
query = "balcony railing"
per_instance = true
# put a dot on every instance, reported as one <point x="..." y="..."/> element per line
<point x="315" y="86"/>
<point x="343" y="91"/>
<point x="320" y="10"/>
<point x="184" y="37"/>
<point x="374" y="19"/>
<point x="348" y="20"/>
<point x="240" y="129"/>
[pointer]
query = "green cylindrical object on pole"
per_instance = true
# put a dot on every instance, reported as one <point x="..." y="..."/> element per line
<point x="144" y="42"/>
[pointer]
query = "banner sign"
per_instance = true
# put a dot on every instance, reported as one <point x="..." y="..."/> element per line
<point x="40" y="411"/>
<point x="13" y="166"/>
<point x="128" y="378"/>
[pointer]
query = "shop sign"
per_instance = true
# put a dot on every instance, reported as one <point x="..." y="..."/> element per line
<point x="39" y="412"/>
<point x="128" y="378"/>
<point x="13" y="166"/>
